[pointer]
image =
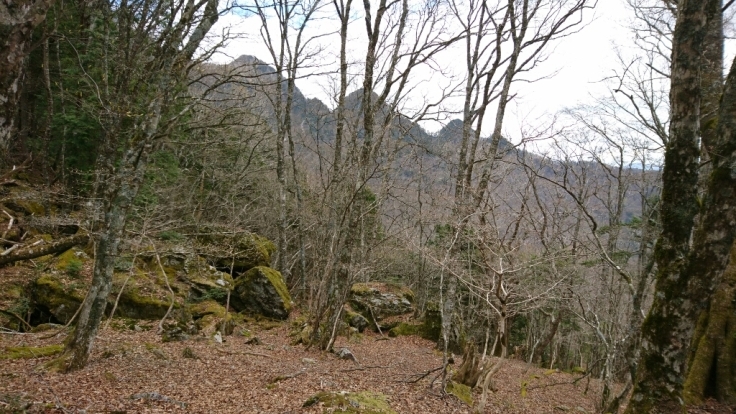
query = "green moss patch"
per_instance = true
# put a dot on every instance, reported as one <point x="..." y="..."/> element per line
<point x="262" y="291"/>
<point x="29" y="352"/>
<point x="461" y="391"/>
<point x="61" y="301"/>
<point x="351" y="403"/>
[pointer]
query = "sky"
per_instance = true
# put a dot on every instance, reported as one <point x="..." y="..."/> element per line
<point x="573" y="71"/>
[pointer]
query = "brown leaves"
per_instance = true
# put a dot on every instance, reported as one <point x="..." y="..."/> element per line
<point x="237" y="378"/>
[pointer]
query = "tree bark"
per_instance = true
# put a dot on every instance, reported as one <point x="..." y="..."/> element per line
<point x="31" y="252"/>
<point x="18" y="19"/>
<point x="687" y="275"/>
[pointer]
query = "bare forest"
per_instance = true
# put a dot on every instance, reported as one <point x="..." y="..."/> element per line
<point x="187" y="232"/>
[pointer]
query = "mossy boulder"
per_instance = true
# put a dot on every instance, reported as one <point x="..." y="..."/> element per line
<point x="432" y="322"/>
<point x="13" y="301"/>
<point x="29" y="352"/>
<point x="351" y="402"/>
<point x="241" y="251"/>
<point x="461" y="391"/>
<point x="208" y="317"/>
<point x="355" y="320"/>
<point x="376" y="301"/>
<point x="136" y="304"/>
<point x="206" y="281"/>
<point x="49" y="294"/>
<point x="262" y="291"/>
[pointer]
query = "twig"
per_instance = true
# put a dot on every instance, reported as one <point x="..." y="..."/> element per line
<point x="375" y="320"/>
<point x="10" y="249"/>
<point x="10" y="223"/>
<point x="421" y="376"/>
<point x="363" y="368"/>
<point x="166" y="278"/>
<point x="157" y="397"/>
<point x="18" y="317"/>
<point x="280" y="378"/>
<point x="125" y="282"/>
<point x="242" y="353"/>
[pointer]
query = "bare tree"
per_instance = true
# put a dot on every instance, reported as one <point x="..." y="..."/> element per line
<point x="17" y="22"/>
<point x="173" y="39"/>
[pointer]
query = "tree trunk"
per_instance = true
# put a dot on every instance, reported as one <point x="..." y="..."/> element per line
<point x="127" y="182"/>
<point x="17" y="21"/>
<point x="711" y="368"/>
<point x="687" y="275"/>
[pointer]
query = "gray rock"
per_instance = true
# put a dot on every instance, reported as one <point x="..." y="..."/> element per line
<point x="262" y="291"/>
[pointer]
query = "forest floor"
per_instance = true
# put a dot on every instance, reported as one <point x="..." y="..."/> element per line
<point x="134" y="372"/>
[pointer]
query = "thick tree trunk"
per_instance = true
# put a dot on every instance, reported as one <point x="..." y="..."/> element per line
<point x="710" y="372"/>
<point x="17" y="21"/>
<point x="713" y="360"/>
<point x="687" y="277"/>
<point x="667" y="329"/>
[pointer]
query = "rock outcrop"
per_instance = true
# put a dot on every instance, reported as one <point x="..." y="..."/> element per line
<point x="262" y="291"/>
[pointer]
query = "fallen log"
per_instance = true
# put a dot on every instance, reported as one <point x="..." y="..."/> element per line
<point x="33" y="251"/>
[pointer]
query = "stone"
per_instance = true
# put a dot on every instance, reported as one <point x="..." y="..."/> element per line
<point x="351" y="402"/>
<point x="356" y="320"/>
<point x="242" y="251"/>
<point x="49" y="294"/>
<point x="376" y="301"/>
<point x="262" y="291"/>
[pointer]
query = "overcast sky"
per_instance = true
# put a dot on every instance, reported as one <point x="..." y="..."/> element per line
<point x="575" y="66"/>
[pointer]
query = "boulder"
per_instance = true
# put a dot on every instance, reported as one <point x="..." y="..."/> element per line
<point x="262" y="291"/>
<point x="50" y="296"/>
<point x="206" y="281"/>
<point x="351" y="402"/>
<point x="355" y="320"/>
<point x="208" y="317"/>
<point x="376" y="301"/>
<point x="243" y="250"/>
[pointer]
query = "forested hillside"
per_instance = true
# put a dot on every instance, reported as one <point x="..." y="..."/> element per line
<point x="152" y="195"/>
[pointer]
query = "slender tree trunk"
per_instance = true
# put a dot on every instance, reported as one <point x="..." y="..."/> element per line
<point x="18" y="19"/>
<point x="128" y="180"/>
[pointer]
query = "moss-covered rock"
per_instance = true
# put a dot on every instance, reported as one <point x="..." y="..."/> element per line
<point x="71" y="261"/>
<point x="28" y="352"/>
<point x="461" y="391"/>
<point x="206" y="281"/>
<point x="136" y="305"/>
<point x="262" y="291"/>
<point x="355" y="320"/>
<point x="432" y="322"/>
<point x="13" y="301"/>
<point x="208" y="317"/>
<point x="49" y="293"/>
<point x="351" y="402"/>
<point x="242" y="251"/>
<point x="376" y="301"/>
<point x="404" y="329"/>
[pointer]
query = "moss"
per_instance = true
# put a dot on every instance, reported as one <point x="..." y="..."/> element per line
<point x="49" y="292"/>
<point x="274" y="276"/>
<point x="403" y="329"/>
<point x="209" y="307"/>
<point x="461" y="391"/>
<point x="432" y="322"/>
<point x="262" y="291"/>
<point x="31" y="207"/>
<point x="28" y="352"/>
<point x="70" y="262"/>
<point x="134" y="305"/>
<point x="351" y="403"/>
